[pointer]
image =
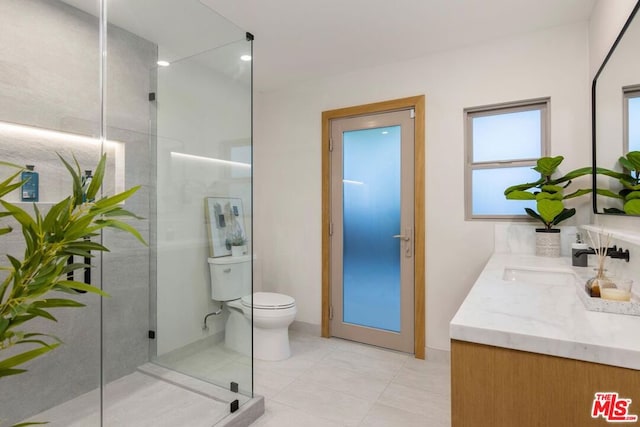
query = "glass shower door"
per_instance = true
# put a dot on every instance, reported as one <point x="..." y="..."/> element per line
<point x="179" y="98"/>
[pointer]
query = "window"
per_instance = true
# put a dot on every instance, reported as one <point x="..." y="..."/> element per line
<point x="503" y="143"/>
<point x="632" y="119"/>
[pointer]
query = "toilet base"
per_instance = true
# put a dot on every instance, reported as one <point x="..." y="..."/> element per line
<point x="237" y="333"/>
<point x="270" y="331"/>
<point x="271" y="344"/>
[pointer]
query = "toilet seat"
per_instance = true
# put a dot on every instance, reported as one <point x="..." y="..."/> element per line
<point x="268" y="301"/>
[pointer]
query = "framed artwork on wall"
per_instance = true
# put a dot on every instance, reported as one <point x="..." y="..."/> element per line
<point x="225" y="225"/>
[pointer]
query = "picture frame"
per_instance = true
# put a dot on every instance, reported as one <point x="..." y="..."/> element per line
<point x="224" y="223"/>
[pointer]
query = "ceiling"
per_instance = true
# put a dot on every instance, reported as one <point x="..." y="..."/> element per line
<point x="297" y="40"/>
<point x="306" y="39"/>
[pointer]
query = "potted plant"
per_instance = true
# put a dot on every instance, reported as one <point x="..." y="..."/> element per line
<point x="549" y="194"/>
<point x="238" y="243"/>
<point x="38" y="282"/>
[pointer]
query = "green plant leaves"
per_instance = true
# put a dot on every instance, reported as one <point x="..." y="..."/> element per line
<point x="19" y="214"/>
<point x="565" y="214"/>
<point x="549" y="209"/>
<point x="77" y="180"/>
<point x="633" y="195"/>
<point x="548" y="165"/>
<point x="79" y="286"/>
<point x="103" y="205"/>
<point x="608" y="193"/>
<point x="7" y="365"/>
<point x="522" y="187"/>
<point x="520" y="195"/>
<point x="628" y="186"/>
<point x="632" y="207"/>
<point x="549" y="191"/>
<point x="626" y="163"/>
<point x="552" y="188"/>
<point x="7" y="186"/>
<point x="550" y="196"/>
<point x="578" y="193"/>
<point x="33" y="423"/>
<point x="534" y="214"/>
<point x="612" y="174"/>
<point x="98" y="176"/>
<point x="57" y="302"/>
<point x="65" y="230"/>
<point x="634" y="159"/>
<point x="122" y="226"/>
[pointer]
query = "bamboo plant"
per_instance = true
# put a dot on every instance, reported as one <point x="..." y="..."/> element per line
<point x="27" y="290"/>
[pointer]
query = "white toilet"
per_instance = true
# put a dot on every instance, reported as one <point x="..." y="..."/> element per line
<point x="272" y="313"/>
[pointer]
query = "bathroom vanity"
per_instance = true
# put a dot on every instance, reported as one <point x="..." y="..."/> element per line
<point x="525" y="351"/>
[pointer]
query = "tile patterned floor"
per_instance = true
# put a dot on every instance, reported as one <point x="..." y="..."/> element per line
<point x="325" y="383"/>
<point x="333" y="382"/>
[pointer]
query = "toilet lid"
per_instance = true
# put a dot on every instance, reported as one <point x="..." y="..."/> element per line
<point x="268" y="301"/>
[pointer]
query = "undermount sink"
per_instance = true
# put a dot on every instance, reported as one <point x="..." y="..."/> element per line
<point x="538" y="275"/>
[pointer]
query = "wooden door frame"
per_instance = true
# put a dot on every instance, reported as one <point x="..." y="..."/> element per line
<point x="418" y="104"/>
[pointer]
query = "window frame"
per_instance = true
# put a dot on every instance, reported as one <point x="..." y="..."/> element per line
<point x="628" y="92"/>
<point x="541" y="104"/>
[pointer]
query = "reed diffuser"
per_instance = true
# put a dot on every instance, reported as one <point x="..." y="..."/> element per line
<point x="600" y="280"/>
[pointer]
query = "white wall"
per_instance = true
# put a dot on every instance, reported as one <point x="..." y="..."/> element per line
<point x="607" y="19"/>
<point x="288" y="159"/>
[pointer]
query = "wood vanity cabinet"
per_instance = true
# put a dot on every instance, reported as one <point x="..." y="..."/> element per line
<point x="499" y="387"/>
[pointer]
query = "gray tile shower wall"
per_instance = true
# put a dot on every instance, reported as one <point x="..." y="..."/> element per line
<point x="49" y="78"/>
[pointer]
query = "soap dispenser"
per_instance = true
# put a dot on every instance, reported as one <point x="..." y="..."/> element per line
<point x="579" y="245"/>
<point x="86" y="182"/>
<point x="29" y="192"/>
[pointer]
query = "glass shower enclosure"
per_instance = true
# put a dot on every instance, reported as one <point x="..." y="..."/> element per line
<point x="164" y="89"/>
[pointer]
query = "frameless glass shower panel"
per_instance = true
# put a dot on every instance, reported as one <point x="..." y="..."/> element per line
<point x="50" y="105"/>
<point x="204" y="216"/>
<point x="179" y="106"/>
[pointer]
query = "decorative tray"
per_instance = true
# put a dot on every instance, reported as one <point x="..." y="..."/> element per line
<point x="631" y="308"/>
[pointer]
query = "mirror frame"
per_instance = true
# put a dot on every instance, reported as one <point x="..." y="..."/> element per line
<point x="594" y="176"/>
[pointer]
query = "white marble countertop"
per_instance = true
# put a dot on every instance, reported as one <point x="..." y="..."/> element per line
<point x="543" y="318"/>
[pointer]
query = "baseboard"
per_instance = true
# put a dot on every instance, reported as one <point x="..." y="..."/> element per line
<point x="437" y="355"/>
<point x="432" y="354"/>
<point x="305" y="328"/>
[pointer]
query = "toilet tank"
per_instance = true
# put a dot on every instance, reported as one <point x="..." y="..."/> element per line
<point x="230" y="277"/>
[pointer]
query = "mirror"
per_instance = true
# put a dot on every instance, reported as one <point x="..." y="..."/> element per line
<point x="616" y="116"/>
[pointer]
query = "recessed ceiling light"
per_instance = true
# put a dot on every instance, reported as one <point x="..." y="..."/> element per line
<point x="163" y="63"/>
<point x="246" y="57"/>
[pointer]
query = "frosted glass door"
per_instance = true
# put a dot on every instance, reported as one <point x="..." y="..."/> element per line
<point x="371" y="216"/>
<point x="372" y="229"/>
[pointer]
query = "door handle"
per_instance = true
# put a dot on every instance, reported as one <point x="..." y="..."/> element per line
<point x="406" y="238"/>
